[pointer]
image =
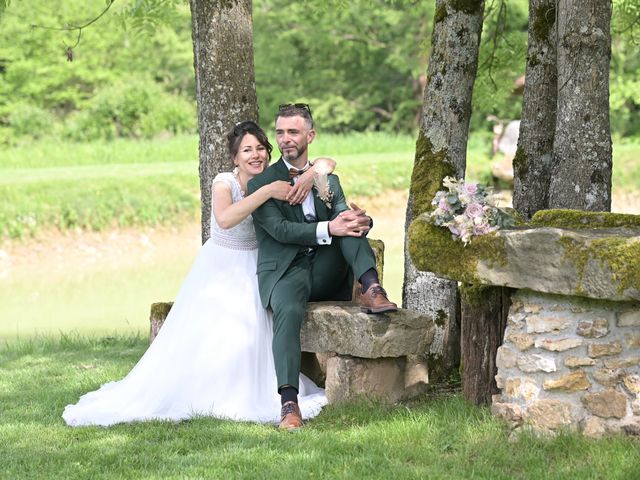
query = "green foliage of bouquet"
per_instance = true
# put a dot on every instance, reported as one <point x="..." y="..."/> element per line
<point x="467" y="209"/>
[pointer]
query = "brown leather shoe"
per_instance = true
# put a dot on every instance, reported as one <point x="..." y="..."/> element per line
<point x="291" y="418"/>
<point x="375" y="300"/>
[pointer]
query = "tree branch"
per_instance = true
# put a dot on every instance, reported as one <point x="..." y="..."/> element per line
<point x="71" y="28"/>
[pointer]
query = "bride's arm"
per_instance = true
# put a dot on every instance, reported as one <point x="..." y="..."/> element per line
<point x="229" y="214"/>
<point x="321" y="166"/>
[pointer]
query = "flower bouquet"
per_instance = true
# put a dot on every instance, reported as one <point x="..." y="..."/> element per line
<point x="467" y="209"/>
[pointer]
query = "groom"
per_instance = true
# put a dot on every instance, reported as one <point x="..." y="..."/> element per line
<point x="307" y="252"/>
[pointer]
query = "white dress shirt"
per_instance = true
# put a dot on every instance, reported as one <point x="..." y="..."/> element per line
<point x="308" y="208"/>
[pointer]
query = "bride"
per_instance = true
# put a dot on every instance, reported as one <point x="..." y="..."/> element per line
<point x="213" y="354"/>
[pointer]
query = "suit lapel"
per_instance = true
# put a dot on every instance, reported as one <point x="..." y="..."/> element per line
<point x="322" y="213"/>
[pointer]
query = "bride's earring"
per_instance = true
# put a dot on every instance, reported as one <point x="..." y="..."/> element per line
<point x="235" y="171"/>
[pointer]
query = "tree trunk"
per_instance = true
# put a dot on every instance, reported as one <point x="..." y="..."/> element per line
<point x="484" y="319"/>
<point x="533" y="160"/>
<point x="441" y="151"/>
<point x="222" y="34"/>
<point x="581" y="176"/>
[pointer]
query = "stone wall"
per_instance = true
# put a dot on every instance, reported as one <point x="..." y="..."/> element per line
<point x="570" y="362"/>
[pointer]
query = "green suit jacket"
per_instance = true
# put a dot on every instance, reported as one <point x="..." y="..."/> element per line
<point x="281" y="230"/>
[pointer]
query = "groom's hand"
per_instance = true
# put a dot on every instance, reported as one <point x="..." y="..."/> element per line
<point x="350" y="223"/>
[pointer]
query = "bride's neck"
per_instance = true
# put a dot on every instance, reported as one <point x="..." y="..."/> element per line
<point x="243" y="179"/>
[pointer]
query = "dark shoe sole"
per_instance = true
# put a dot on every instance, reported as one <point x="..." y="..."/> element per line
<point x="378" y="310"/>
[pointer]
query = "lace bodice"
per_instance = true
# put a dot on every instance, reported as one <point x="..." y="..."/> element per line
<point x="243" y="235"/>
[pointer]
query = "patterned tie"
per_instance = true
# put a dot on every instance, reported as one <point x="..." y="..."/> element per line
<point x="294" y="172"/>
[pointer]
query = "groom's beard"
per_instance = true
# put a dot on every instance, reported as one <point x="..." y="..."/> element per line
<point x="293" y="155"/>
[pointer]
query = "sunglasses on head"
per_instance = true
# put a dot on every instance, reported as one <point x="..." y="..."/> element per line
<point x="286" y="106"/>
<point x="242" y="127"/>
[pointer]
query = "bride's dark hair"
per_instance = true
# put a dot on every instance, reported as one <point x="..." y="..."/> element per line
<point x="237" y="133"/>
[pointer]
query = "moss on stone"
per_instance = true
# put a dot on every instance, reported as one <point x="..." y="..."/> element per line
<point x="520" y="165"/>
<point x="474" y="294"/>
<point x="441" y="13"/>
<point x="441" y="318"/>
<point x="621" y="255"/>
<point x="543" y="20"/>
<point x="467" y="6"/>
<point x="428" y="171"/>
<point x="433" y="249"/>
<point x="580" y="219"/>
<point x="160" y="310"/>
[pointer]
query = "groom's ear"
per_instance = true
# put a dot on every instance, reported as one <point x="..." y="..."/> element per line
<point x="311" y="135"/>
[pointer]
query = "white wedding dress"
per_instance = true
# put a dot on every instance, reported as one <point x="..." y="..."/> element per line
<point x="213" y="354"/>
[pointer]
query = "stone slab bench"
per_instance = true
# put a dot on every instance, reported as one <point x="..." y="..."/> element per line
<point x="570" y="346"/>
<point x="354" y="354"/>
<point x="365" y="355"/>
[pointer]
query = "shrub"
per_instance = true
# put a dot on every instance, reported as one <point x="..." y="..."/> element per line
<point x="26" y="120"/>
<point x="138" y="108"/>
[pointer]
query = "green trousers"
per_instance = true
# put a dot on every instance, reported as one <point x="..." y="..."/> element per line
<point x="326" y="275"/>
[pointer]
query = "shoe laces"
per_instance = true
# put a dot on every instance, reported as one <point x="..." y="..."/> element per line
<point x="378" y="290"/>
<point x="289" y="407"/>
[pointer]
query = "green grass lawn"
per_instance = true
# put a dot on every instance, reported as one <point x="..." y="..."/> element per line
<point x="438" y="437"/>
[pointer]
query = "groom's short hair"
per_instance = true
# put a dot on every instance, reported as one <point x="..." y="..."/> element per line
<point x="296" y="110"/>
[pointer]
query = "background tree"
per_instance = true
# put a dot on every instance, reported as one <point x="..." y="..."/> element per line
<point x="440" y="151"/>
<point x="225" y="83"/>
<point x="564" y="157"/>
<point x="533" y="161"/>
<point x="581" y="177"/>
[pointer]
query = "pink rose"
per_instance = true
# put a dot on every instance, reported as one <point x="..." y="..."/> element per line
<point x="444" y="205"/>
<point x="471" y="188"/>
<point x="474" y="210"/>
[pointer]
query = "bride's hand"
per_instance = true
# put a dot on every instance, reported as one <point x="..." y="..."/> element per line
<point x="304" y="184"/>
<point x="301" y="189"/>
<point x="279" y="190"/>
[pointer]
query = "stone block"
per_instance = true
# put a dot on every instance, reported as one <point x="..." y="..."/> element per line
<point x="340" y="327"/>
<point x="515" y="319"/>
<point x="542" y="324"/>
<point x="558" y="345"/>
<point x="631" y="428"/>
<point x="551" y="414"/>
<point x="511" y="412"/>
<point x="632" y="382"/>
<point x="573" y="362"/>
<point x="416" y="373"/>
<point x="523" y="341"/>
<point x="506" y="357"/>
<point x="596" y="350"/>
<point x="609" y="377"/>
<point x="593" y="328"/>
<point x="524" y="388"/>
<point x="630" y="318"/>
<point x="632" y="340"/>
<point x="607" y="404"/>
<point x="588" y="262"/>
<point x="536" y="363"/>
<point x="351" y="377"/>
<point x="621" y="362"/>
<point x="593" y="427"/>
<point x="573" y="382"/>
<point x="531" y="307"/>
